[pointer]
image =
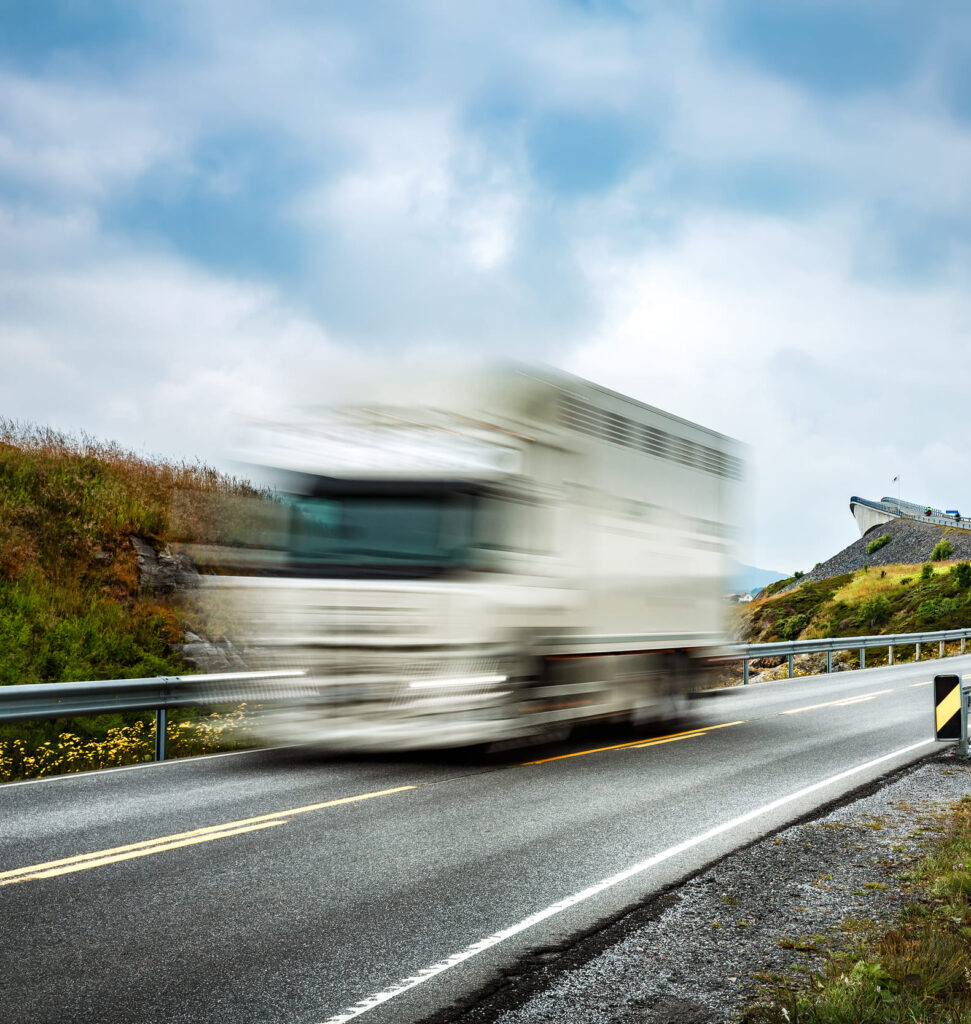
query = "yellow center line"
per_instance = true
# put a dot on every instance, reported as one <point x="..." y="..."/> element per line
<point x="672" y="739"/>
<point x="31" y="874"/>
<point x="633" y="744"/>
<point x="83" y="861"/>
<point x="839" y="703"/>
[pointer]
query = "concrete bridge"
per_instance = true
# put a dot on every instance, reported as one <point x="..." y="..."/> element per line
<point x="869" y="513"/>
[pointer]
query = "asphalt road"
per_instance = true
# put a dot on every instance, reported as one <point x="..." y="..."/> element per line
<point x="274" y="886"/>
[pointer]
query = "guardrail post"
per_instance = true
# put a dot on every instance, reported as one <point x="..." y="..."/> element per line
<point x="940" y="649"/>
<point x="890" y="655"/>
<point x="962" y="644"/>
<point x="160" y="730"/>
<point x="789" y="659"/>
<point x="745" y="671"/>
<point x="917" y="652"/>
<point x="862" y="657"/>
<point x="829" y="661"/>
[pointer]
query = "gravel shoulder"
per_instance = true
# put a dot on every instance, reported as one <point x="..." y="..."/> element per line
<point x="694" y="955"/>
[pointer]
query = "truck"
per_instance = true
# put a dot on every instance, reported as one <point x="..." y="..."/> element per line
<point x="481" y="559"/>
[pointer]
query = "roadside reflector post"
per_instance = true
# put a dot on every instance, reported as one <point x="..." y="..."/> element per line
<point x="950" y="710"/>
<point x="790" y="667"/>
<point x="745" y="671"/>
<point x="890" y="655"/>
<point x="963" y="745"/>
<point x="160" y="727"/>
<point x="862" y="657"/>
<point x="829" y="661"/>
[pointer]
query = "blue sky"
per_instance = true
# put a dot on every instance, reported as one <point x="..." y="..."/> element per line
<point x="755" y="214"/>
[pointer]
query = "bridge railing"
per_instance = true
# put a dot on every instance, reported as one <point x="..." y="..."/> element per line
<point x="907" y="510"/>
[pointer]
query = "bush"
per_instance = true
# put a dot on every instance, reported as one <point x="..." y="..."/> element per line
<point x="798" y="574"/>
<point x="935" y="608"/>
<point x="874" y="612"/>
<point x="880" y="542"/>
<point x="926" y="571"/>
<point x="962" y="574"/>
<point x="790" y="628"/>
<point x="942" y="549"/>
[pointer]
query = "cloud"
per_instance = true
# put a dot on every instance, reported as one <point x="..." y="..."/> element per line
<point x="759" y="329"/>
<point x="694" y="202"/>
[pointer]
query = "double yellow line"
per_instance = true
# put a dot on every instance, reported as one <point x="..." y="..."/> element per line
<point x="85" y="861"/>
<point x="637" y="744"/>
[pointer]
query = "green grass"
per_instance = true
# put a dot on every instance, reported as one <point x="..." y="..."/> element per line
<point x="70" y="602"/>
<point x="918" y="970"/>
<point x="880" y="542"/>
<point x="895" y="600"/>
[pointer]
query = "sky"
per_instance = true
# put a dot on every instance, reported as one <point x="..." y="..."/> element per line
<point x="755" y="214"/>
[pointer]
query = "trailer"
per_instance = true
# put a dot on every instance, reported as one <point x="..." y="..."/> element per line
<point x="481" y="559"/>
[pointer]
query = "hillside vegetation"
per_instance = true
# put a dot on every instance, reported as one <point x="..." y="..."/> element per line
<point x="71" y="606"/>
<point x="891" y="599"/>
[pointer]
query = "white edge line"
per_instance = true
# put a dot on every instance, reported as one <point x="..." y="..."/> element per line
<point x="594" y="890"/>
<point x="143" y="764"/>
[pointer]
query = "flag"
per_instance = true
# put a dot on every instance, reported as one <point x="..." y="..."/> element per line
<point x="896" y="478"/>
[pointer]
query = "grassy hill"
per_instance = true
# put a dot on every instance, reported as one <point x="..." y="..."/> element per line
<point x="889" y="599"/>
<point x="71" y="601"/>
<point x="71" y="606"/>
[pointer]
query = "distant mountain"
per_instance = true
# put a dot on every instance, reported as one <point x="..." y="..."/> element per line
<point x="746" y="578"/>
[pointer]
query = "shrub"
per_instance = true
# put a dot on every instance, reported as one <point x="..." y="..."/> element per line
<point x="935" y="608"/>
<point x="926" y="571"/>
<point x="798" y="574"/>
<point x="928" y="610"/>
<point x="942" y="549"/>
<point x="874" y="612"/>
<point x="790" y="628"/>
<point x="962" y="574"/>
<point x="866" y="566"/>
<point x="880" y="542"/>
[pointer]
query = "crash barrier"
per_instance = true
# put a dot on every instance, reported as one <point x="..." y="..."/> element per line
<point x="160" y="693"/>
<point x="109" y="696"/>
<point x="790" y="648"/>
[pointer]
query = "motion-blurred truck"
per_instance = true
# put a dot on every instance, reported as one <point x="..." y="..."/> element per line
<point x="482" y="559"/>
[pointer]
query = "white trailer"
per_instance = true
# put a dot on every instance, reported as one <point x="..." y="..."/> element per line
<point x="485" y="558"/>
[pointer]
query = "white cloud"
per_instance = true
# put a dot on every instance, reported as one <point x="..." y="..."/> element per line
<point x="757" y="329"/>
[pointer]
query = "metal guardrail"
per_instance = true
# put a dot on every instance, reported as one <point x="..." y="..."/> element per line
<point x="790" y="648"/>
<point x="159" y="693"/>
<point x="108" y="696"/>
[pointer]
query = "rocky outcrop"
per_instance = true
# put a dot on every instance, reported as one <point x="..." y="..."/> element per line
<point x="163" y="572"/>
<point x="210" y="656"/>
<point x="910" y="542"/>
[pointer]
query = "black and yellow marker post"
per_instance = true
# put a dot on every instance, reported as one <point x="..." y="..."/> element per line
<point x="947" y="707"/>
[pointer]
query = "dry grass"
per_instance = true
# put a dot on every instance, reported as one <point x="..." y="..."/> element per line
<point x="70" y="602"/>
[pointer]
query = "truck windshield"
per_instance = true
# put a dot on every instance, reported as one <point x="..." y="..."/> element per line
<point x="411" y="532"/>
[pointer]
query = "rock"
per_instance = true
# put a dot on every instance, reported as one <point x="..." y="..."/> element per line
<point x="211" y="656"/>
<point x="910" y="542"/>
<point x="163" y="572"/>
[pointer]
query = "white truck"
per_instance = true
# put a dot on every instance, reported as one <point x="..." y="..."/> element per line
<point x="484" y="558"/>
